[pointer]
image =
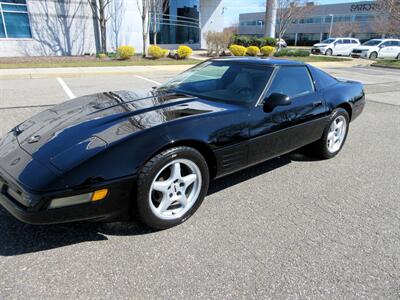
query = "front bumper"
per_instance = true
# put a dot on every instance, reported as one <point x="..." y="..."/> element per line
<point x="116" y="206"/>
<point x="317" y="51"/>
<point x="363" y="54"/>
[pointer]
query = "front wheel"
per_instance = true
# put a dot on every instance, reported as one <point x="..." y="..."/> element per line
<point x="373" y="56"/>
<point x="329" y="52"/>
<point x="171" y="186"/>
<point x="334" y="135"/>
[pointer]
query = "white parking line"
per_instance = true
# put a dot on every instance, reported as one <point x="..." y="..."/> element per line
<point x="67" y="90"/>
<point x="149" y="80"/>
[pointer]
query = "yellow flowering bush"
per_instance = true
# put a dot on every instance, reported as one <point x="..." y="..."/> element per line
<point x="184" y="51"/>
<point x="125" y="52"/>
<point x="267" y="50"/>
<point x="238" y="50"/>
<point x="155" y="52"/>
<point x="253" y="50"/>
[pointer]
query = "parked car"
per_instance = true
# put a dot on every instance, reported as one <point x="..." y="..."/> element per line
<point x="281" y="43"/>
<point x="378" y="48"/>
<point x="335" y="46"/>
<point x="115" y="155"/>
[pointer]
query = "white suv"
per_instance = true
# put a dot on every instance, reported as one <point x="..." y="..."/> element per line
<point x="378" y="48"/>
<point x="335" y="46"/>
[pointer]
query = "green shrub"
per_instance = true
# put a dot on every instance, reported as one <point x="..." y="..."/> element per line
<point x="247" y="41"/>
<point x="242" y="40"/>
<point x="125" y="52"/>
<point x="184" y="52"/>
<point x="301" y="53"/>
<point x="253" y="50"/>
<point x="267" y="50"/>
<point x="155" y="52"/>
<point x="261" y="42"/>
<point x="102" y="56"/>
<point x="294" y="53"/>
<point x="238" y="50"/>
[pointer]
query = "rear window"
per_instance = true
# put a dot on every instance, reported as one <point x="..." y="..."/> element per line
<point x="322" y="79"/>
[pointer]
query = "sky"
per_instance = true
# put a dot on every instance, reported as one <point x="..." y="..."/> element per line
<point x="232" y="8"/>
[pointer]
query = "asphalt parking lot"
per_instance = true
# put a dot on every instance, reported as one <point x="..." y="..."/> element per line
<point x="294" y="227"/>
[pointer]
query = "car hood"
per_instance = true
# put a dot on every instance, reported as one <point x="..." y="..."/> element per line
<point x="364" y="47"/>
<point x="91" y="123"/>
<point x="320" y="45"/>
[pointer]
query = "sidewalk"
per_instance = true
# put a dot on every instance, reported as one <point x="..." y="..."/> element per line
<point x="90" y="71"/>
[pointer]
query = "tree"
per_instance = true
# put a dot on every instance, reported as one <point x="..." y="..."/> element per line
<point x="144" y="7"/>
<point x="117" y="13"/>
<point x="101" y="14"/>
<point x="345" y="29"/>
<point x="287" y="12"/>
<point x="157" y="9"/>
<point x="387" y="17"/>
<point x="217" y="41"/>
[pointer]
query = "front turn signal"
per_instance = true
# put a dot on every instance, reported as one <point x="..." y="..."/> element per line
<point x="99" y="195"/>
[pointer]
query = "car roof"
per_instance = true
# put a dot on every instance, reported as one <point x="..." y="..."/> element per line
<point x="260" y="61"/>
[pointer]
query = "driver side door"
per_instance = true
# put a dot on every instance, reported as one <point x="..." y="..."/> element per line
<point x="286" y="128"/>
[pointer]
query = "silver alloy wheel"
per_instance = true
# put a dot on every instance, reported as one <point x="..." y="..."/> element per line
<point x="170" y="198"/>
<point x="336" y="134"/>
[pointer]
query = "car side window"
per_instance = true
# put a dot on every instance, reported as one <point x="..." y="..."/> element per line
<point x="346" y="41"/>
<point x="292" y="81"/>
<point x="339" y="42"/>
<point x="354" y="42"/>
<point x="386" y="44"/>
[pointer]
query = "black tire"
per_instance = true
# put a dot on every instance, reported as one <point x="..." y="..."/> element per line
<point x="373" y="55"/>
<point x="328" y="52"/>
<point x="321" y="146"/>
<point x="148" y="174"/>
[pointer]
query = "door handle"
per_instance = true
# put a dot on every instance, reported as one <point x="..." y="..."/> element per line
<point x="317" y="103"/>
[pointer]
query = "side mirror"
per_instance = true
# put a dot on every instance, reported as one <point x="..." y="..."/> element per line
<point x="382" y="46"/>
<point x="274" y="100"/>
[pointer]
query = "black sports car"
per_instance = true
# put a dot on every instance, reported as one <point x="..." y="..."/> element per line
<point x="115" y="155"/>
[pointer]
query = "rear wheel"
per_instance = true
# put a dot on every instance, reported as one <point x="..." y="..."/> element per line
<point x="334" y="135"/>
<point x="373" y="55"/>
<point x="171" y="186"/>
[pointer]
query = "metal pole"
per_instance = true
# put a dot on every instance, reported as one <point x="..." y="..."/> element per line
<point x="330" y="30"/>
<point x="270" y="18"/>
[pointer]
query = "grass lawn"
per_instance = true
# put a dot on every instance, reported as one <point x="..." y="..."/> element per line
<point x="387" y="63"/>
<point x="89" y="62"/>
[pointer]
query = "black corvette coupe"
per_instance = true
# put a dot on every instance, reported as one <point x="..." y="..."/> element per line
<point x="116" y="155"/>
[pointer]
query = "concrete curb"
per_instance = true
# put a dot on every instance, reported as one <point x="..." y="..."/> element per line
<point x="385" y="67"/>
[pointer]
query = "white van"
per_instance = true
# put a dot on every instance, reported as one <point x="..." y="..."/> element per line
<point x="335" y="46"/>
<point x="378" y="48"/>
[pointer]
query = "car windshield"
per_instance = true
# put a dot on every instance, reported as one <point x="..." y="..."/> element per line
<point x="372" y="43"/>
<point x="327" y="41"/>
<point x="228" y="81"/>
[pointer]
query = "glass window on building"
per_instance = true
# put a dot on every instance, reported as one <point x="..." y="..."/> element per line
<point x="14" y="19"/>
<point x="363" y="18"/>
<point x="178" y="23"/>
